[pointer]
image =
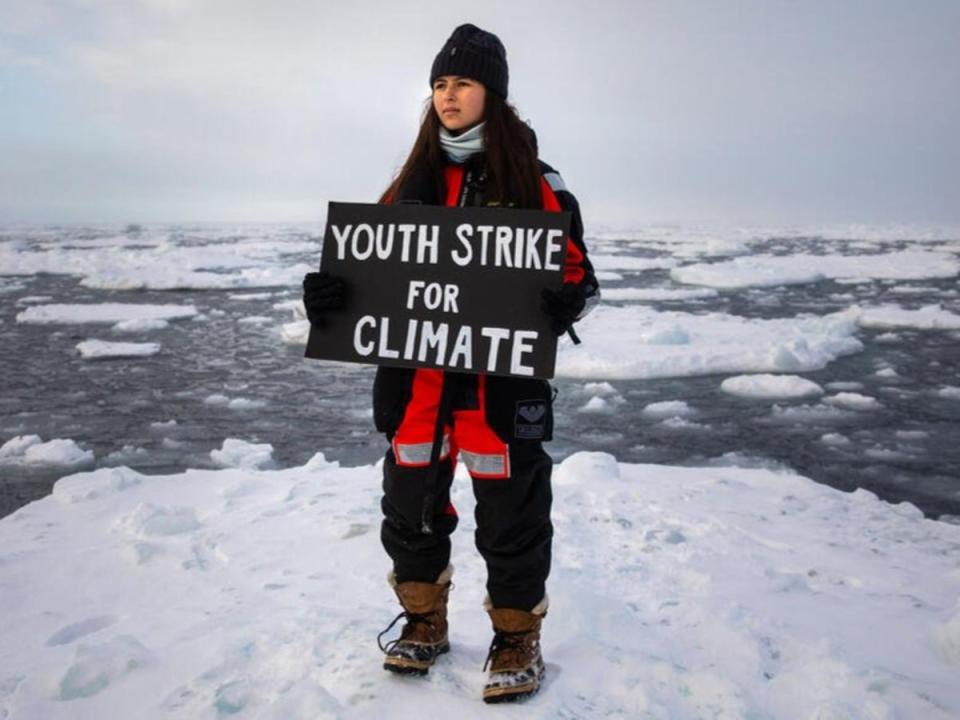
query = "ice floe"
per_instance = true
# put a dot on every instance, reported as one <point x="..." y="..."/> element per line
<point x="668" y="409"/>
<point x="640" y="342"/>
<point x="32" y="450"/>
<point x="771" y="270"/>
<point x="929" y="317"/>
<point x="771" y="386"/>
<point x="102" y="313"/>
<point x="251" y="593"/>
<point x="242" y="454"/>
<point x="220" y="259"/>
<point x="655" y="294"/>
<point x="853" y="401"/>
<point x="101" y="349"/>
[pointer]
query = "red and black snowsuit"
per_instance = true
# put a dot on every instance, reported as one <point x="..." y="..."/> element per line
<point x="495" y="424"/>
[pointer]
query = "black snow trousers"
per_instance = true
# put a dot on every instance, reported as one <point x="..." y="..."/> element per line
<point x="496" y="427"/>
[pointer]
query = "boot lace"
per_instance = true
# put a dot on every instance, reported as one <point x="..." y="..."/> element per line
<point x="412" y="619"/>
<point x="504" y="641"/>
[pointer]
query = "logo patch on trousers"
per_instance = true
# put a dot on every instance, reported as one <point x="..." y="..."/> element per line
<point x="530" y="422"/>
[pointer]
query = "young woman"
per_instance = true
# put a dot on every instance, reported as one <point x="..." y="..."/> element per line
<point x="472" y="150"/>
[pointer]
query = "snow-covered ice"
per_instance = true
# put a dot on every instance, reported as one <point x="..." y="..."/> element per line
<point x="101" y="349"/>
<point x="102" y="313"/>
<point x="675" y="593"/>
<point x="141" y="325"/>
<point x="242" y="454"/>
<point x="929" y="317"/>
<point x="853" y="401"/>
<point x="770" y="270"/>
<point x="629" y="263"/>
<point x="771" y="386"/>
<point x="654" y="294"/>
<point x="32" y="450"/>
<point x="237" y="403"/>
<point x="640" y="342"/>
<point x="167" y="260"/>
<point x="668" y="409"/>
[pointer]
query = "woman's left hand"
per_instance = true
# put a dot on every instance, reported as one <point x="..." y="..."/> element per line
<point x="563" y="306"/>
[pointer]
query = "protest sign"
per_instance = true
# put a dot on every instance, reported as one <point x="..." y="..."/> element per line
<point x="450" y="288"/>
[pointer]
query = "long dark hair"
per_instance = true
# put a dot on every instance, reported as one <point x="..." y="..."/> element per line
<point x="508" y="145"/>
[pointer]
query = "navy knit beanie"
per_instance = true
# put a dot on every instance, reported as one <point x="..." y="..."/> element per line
<point x="473" y="53"/>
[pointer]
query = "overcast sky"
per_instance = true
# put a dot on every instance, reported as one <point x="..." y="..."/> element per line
<point x="753" y="112"/>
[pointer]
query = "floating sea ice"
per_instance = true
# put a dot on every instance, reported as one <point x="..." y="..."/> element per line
<point x="640" y="342"/>
<point x="679" y="423"/>
<point x="31" y="450"/>
<point x="233" y="403"/>
<point x="251" y="296"/>
<point x="603" y="389"/>
<point x="887" y="337"/>
<point x="245" y="404"/>
<point x="772" y="270"/>
<point x="608" y="276"/>
<point x="739" y="459"/>
<point x="126" y="454"/>
<point x="853" y="401"/>
<point x="835" y="439"/>
<point x="237" y="453"/>
<point x="239" y="403"/>
<point x="295" y="305"/>
<point x="142" y="325"/>
<point x="878" y="452"/>
<point x="887" y="372"/>
<point x="810" y="414"/>
<point x="598" y="404"/>
<point x="296" y="332"/>
<point x="949" y="391"/>
<point x="17" y="446"/>
<point x="255" y="320"/>
<point x="630" y="263"/>
<point x="668" y="409"/>
<point x="912" y="434"/>
<point x="771" y="386"/>
<point x="654" y="294"/>
<point x="102" y="313"/>
<point x="844" y="385"/>
<point x="929" y="317"/>
<point x="914" y="290"/>
<point x="101" y="349"/>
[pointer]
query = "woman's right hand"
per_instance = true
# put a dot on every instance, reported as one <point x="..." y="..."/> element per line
<point x="322" y="292"/>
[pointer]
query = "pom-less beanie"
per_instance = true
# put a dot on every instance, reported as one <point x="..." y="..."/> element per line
<point x="473" y="53"/>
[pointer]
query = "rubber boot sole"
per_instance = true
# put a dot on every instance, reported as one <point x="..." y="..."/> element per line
<point x="409" y="666"/>
<point x="493" y="694"/>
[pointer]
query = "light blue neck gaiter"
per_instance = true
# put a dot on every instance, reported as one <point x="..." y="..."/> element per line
<point x="459" y="147"/>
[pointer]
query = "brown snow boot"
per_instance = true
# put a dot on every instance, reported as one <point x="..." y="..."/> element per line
<point x="516" y="665"/>
<point x="424" y="635"/>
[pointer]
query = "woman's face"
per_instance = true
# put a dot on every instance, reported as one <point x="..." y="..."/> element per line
<point x="458" y="102"/>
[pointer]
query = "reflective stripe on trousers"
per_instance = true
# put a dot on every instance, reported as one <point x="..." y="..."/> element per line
<point x="418" y="454"/>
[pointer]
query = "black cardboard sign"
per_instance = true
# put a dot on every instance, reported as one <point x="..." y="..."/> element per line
<point x="436" y="287"/>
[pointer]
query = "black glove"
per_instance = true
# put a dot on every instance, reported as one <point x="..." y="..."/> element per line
<point x="322" y="292"/>
<point x="563" y="306"/>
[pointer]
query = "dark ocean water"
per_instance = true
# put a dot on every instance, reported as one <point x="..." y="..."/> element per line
<point x="907" y="449"/>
